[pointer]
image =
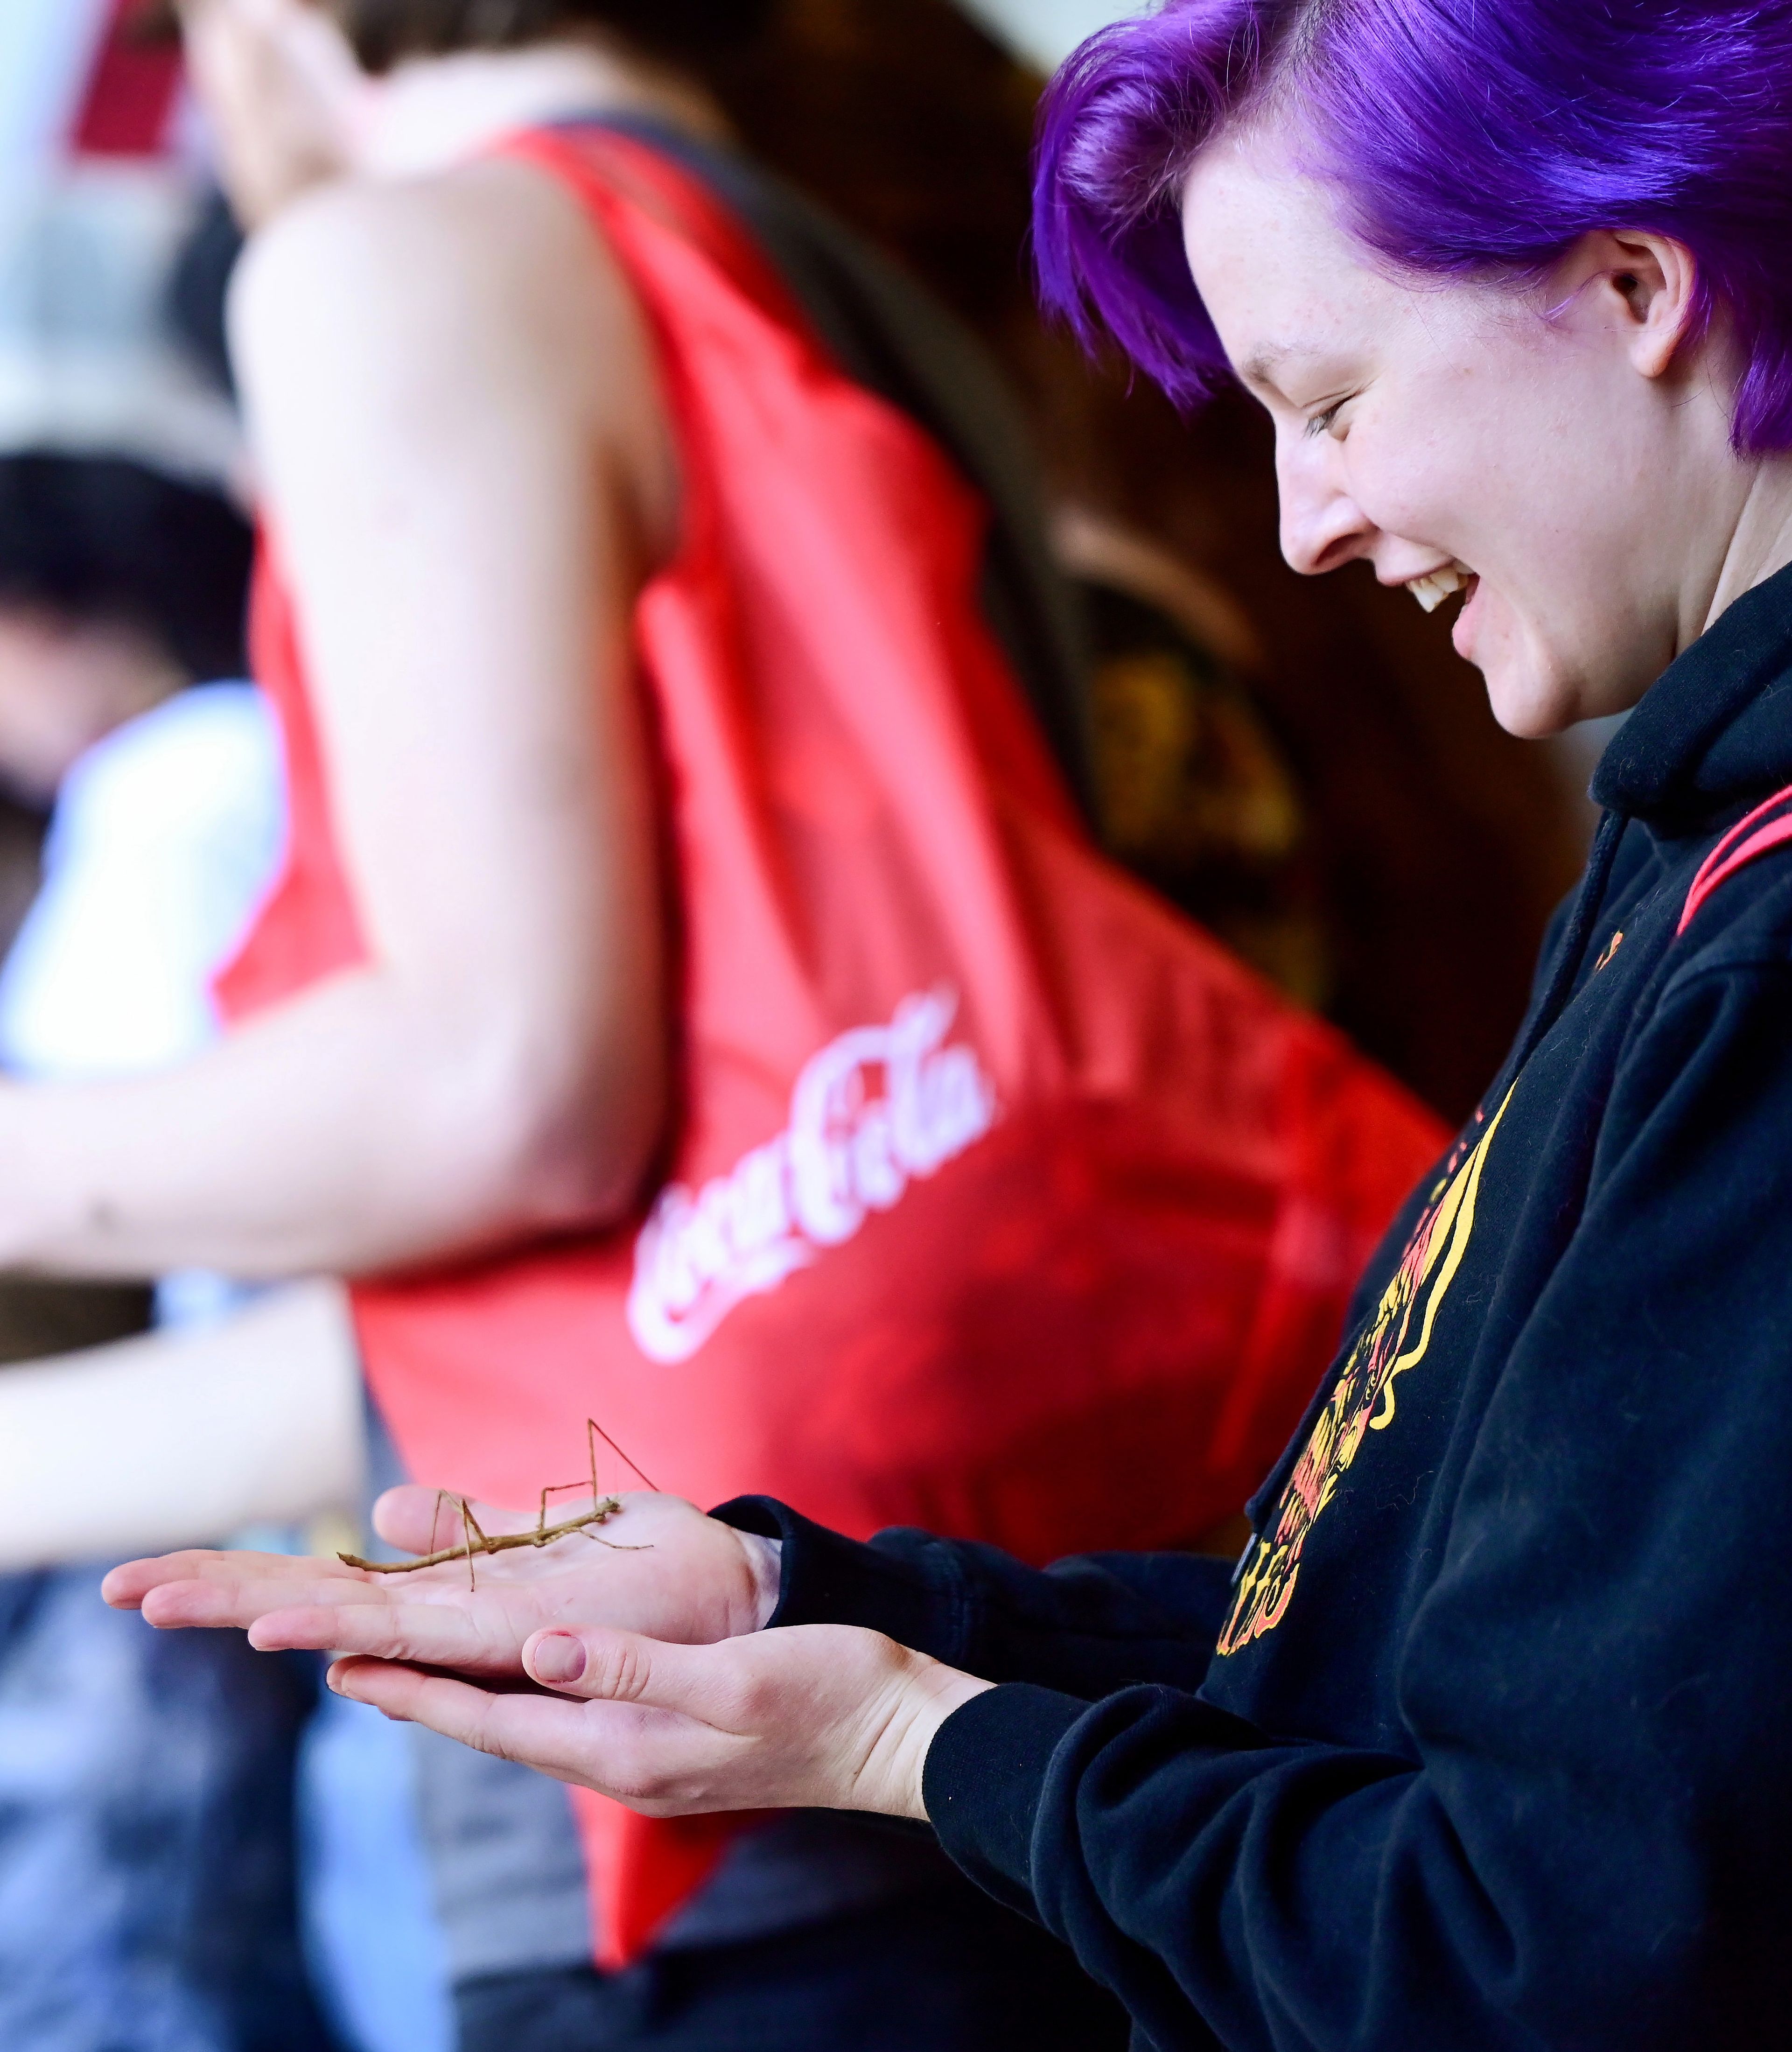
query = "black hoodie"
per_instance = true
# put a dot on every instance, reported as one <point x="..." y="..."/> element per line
<point x="1496" y="1747"/>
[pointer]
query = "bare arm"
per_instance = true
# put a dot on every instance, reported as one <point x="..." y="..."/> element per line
<point x="451" y="397"/>
<point x="179" y="1438"/>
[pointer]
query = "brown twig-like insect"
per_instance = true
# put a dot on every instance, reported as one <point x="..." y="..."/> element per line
<point x="476" y="1541"/>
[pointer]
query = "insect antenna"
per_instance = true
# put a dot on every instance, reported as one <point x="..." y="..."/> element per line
<point x="593" y="1432"/>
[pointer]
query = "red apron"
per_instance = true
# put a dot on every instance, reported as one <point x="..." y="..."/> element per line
<point x="1001" y="1201"/>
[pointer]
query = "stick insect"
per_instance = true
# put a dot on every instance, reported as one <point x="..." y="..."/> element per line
<point x="475" y="1541"/>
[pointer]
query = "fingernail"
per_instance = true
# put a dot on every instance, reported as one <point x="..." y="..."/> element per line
<point x="558" y="1658"/>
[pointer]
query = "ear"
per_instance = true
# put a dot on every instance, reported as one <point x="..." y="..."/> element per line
<point x="1650" y="284"/>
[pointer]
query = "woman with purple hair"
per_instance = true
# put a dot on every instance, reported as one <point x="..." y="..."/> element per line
<point x="1485" y="1743"/>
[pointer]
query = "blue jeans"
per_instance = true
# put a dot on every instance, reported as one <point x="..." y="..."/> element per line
<point x="147" y="1891"/>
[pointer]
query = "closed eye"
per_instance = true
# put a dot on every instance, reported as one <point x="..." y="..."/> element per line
<point x="1321" y="423"/>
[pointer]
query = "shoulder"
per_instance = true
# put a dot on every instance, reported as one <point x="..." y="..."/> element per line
<point x="1706" y="996"/>
<point x="1742" y="923"/>
<point x="1720" y="1016"/>
<point x="336" y="239"/>
<point x="432" y="282"/>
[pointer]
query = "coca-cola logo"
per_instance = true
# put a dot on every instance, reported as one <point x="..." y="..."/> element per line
<point x="851" y="1148"/>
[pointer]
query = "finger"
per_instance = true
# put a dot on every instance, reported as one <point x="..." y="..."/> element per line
<point x="126" y="1587"/>
<point x="417" y="1520"/>
<point x="599" y="1665"/>
<point x="214" y="1605"/>
<point x="661" y="1764"/>
<point x="428" y="1634"/>
<point x="823" y="1716"/>
<point x="542" y="1731"/>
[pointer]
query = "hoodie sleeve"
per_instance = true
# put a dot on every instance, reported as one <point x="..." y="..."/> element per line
<point x="1580" y="1839"/>
<point x="1085" y="1626"/>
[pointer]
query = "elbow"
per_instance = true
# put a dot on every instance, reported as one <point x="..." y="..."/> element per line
<point x="534" y="1138"/>
<point x="583" y="1166"/>
<point x="570" y="1150"/>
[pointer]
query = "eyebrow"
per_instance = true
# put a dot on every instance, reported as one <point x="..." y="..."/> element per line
<point x="1261" y="368"/>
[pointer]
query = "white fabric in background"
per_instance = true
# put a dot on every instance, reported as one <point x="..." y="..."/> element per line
<point x="1044" y="32"/>
<point x="166" y="837"/>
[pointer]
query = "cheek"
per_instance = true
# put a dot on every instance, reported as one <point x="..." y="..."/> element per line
<point x="1478" y="402"/>
<point x="1453" y="457"/>
<point x="1426" y="485"/>
<point x="1486" y="456"/>
<point x="1489" y="465"/>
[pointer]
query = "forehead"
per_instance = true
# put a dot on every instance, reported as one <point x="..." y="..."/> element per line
<point x="1275" y="267"/>
<point x="1282" y="277"/>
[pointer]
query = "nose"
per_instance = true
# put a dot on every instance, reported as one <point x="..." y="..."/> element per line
<point x="1322" y="526"/>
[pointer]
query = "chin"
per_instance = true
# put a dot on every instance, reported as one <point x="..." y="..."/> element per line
<point x="1534" y="691"/>
<point x="1531" y="704"/>
<point x="1542" y="684"/>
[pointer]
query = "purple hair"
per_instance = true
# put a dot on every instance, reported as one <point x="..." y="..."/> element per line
<point x="1465" y="137"/>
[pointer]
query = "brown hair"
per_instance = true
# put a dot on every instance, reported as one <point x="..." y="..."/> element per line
<point x="383" y="32"/>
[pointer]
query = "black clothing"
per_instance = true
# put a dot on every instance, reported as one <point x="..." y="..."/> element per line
<point x="1495" y="1749"/>
<point x="944" y="1972"/>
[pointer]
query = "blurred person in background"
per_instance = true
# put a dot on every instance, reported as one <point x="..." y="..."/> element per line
<point x="150" y="1855"/>
<point x="147" y="1854"/>
<point x="122" y="594"/>
<point x="653" y="767"/>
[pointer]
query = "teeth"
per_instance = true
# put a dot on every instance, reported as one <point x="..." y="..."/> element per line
<point x="1432" y="589"/>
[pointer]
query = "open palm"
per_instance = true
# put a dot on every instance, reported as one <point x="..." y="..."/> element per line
<point x="667" y="1571"/>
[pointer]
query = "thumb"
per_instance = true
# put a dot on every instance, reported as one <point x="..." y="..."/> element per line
<point x="557" y="1660"/>
<point x="621" y="1667"/>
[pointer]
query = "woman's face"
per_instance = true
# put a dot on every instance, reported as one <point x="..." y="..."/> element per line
<point x="282" y="94"/>
<point x="1557" y="452"/>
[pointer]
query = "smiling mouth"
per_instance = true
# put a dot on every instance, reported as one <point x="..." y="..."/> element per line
<point x="1435" y="586"/>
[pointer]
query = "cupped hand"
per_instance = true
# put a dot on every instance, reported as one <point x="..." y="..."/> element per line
<point x="815" y="1716"/>
<point x="666" y="1569"/>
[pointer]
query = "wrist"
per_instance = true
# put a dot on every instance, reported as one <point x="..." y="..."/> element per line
<point x="764" y="1582"/>
<point x="892" y="1779"/>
